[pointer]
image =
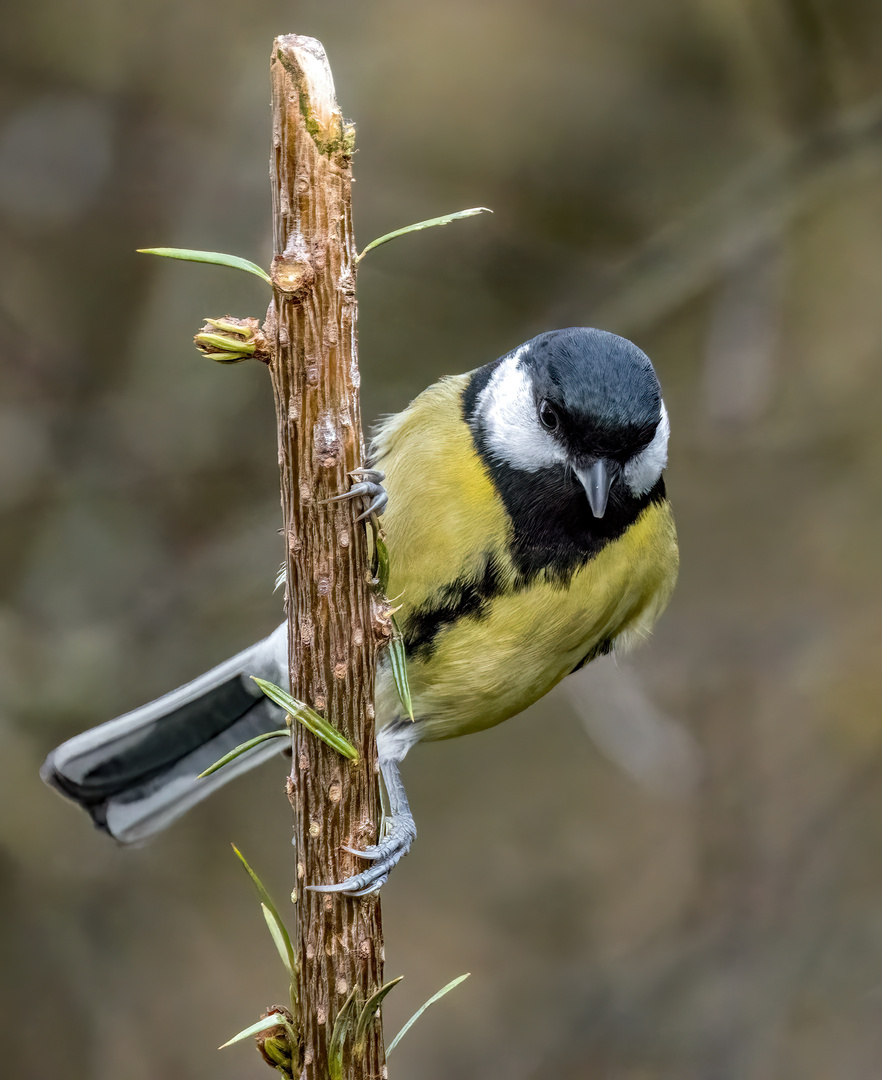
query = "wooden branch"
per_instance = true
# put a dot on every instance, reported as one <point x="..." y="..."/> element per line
<point x="332" y="641"/>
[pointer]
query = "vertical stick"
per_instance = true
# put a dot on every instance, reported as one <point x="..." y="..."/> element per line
<point x="332" y="646"/>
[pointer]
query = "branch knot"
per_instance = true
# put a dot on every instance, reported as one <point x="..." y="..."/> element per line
<point x="293" y="275"/>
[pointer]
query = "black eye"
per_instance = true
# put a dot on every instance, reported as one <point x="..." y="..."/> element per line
<point x="548" y="416"/>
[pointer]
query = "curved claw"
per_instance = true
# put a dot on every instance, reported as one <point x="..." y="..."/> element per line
<point x="370" y="488"/>
<point x="367" y="853"/>
<point x="387" y="854"/>
<point x="365" y="487"/>
<point x="374" y="475"/>
<point x="356" y="884"/>
<point x="371" y="889"/>
<point x="377" y="505"/>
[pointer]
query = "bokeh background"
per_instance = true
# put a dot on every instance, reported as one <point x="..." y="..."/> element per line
<point x="667" y="869"/>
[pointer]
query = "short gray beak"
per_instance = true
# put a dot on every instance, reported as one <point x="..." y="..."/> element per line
<point x="596" y="480"/>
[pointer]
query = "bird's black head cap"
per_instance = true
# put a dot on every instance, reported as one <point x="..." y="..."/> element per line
<point x="603" y="389"/>
<point x="573" y="433"/>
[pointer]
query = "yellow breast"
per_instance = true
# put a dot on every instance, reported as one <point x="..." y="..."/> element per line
<point x="443" y="522"/>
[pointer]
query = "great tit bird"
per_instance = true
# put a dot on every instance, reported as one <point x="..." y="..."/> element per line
<point x="529" y="532"/>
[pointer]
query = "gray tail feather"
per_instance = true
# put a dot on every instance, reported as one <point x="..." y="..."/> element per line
<point x="138" y="773"/>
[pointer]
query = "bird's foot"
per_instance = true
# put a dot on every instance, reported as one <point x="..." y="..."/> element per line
<point x="368" y="485"/>
<point x="401" y="832"/>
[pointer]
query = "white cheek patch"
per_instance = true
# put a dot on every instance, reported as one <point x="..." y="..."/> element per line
<point x="507" y="414"/>
<point x="644" y="469"/>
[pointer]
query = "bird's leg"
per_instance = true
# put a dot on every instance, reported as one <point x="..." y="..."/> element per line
<point x="400" y="834"/>
<point x="368" y="485"/>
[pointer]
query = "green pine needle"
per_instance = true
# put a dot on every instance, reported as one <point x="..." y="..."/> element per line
<point x="381" y="553"/>
<point x="435" y="997"/>
<point x="217" y="258"/>
<point x="262" y="1025"/>
<point x="343" y="1024"/>
<point x="227" y="357"/>
<point x="430" y="223"/>
<point x="398" y="659"/>
<point x="237" y="751"/>
<point x="269" y="909"/>
<point x="309" y="718"/>
<point x="369" y="1011"/>
<point x="280" y="938"/>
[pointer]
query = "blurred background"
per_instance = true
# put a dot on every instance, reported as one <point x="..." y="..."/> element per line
<point x="666" y="869"/>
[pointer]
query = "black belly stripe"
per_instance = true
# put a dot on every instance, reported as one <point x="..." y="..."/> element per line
<point x="549" y="551"/>
<point x="463" y="598"/>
